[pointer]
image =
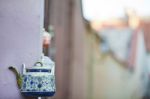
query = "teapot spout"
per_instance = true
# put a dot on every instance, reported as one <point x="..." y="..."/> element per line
<point x="18" y="76"/>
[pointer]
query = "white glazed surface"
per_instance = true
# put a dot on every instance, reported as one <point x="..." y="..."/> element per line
<point x="38" y="82"/>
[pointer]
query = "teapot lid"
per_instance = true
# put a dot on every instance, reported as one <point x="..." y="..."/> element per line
<point x="43" y="65"/>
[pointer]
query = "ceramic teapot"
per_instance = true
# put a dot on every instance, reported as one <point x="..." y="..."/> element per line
<point x="39" y="80"/>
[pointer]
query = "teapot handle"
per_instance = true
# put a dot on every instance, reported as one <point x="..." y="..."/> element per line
<point x="38" y="63"/>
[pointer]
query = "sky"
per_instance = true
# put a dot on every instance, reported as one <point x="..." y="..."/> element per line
<point x="104" y="9"/>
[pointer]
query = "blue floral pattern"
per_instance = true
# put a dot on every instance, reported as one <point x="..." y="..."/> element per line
<point x="43" y="83"/>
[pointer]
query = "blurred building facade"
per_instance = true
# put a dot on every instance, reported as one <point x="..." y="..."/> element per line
<point x="88" y="74"/>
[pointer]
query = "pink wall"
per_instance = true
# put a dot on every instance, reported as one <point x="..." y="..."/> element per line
<point x="20" y="40"/>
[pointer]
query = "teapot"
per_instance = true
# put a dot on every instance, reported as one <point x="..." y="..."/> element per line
<point x="37" y="81"/>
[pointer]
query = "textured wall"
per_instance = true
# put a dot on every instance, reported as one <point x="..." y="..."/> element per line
<point x="20" y="40"/>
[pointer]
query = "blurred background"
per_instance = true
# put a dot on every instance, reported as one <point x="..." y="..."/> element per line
<point x="101" y="47"/>
<point x="104" y="48"/>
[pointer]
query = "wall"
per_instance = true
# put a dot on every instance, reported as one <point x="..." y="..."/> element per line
<point x="108" y="79"/>
<point x="65" y="16"/>
<point x="79" y="68"/>
<point x="20" y="40"/>
<point x="60" y="16"/>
